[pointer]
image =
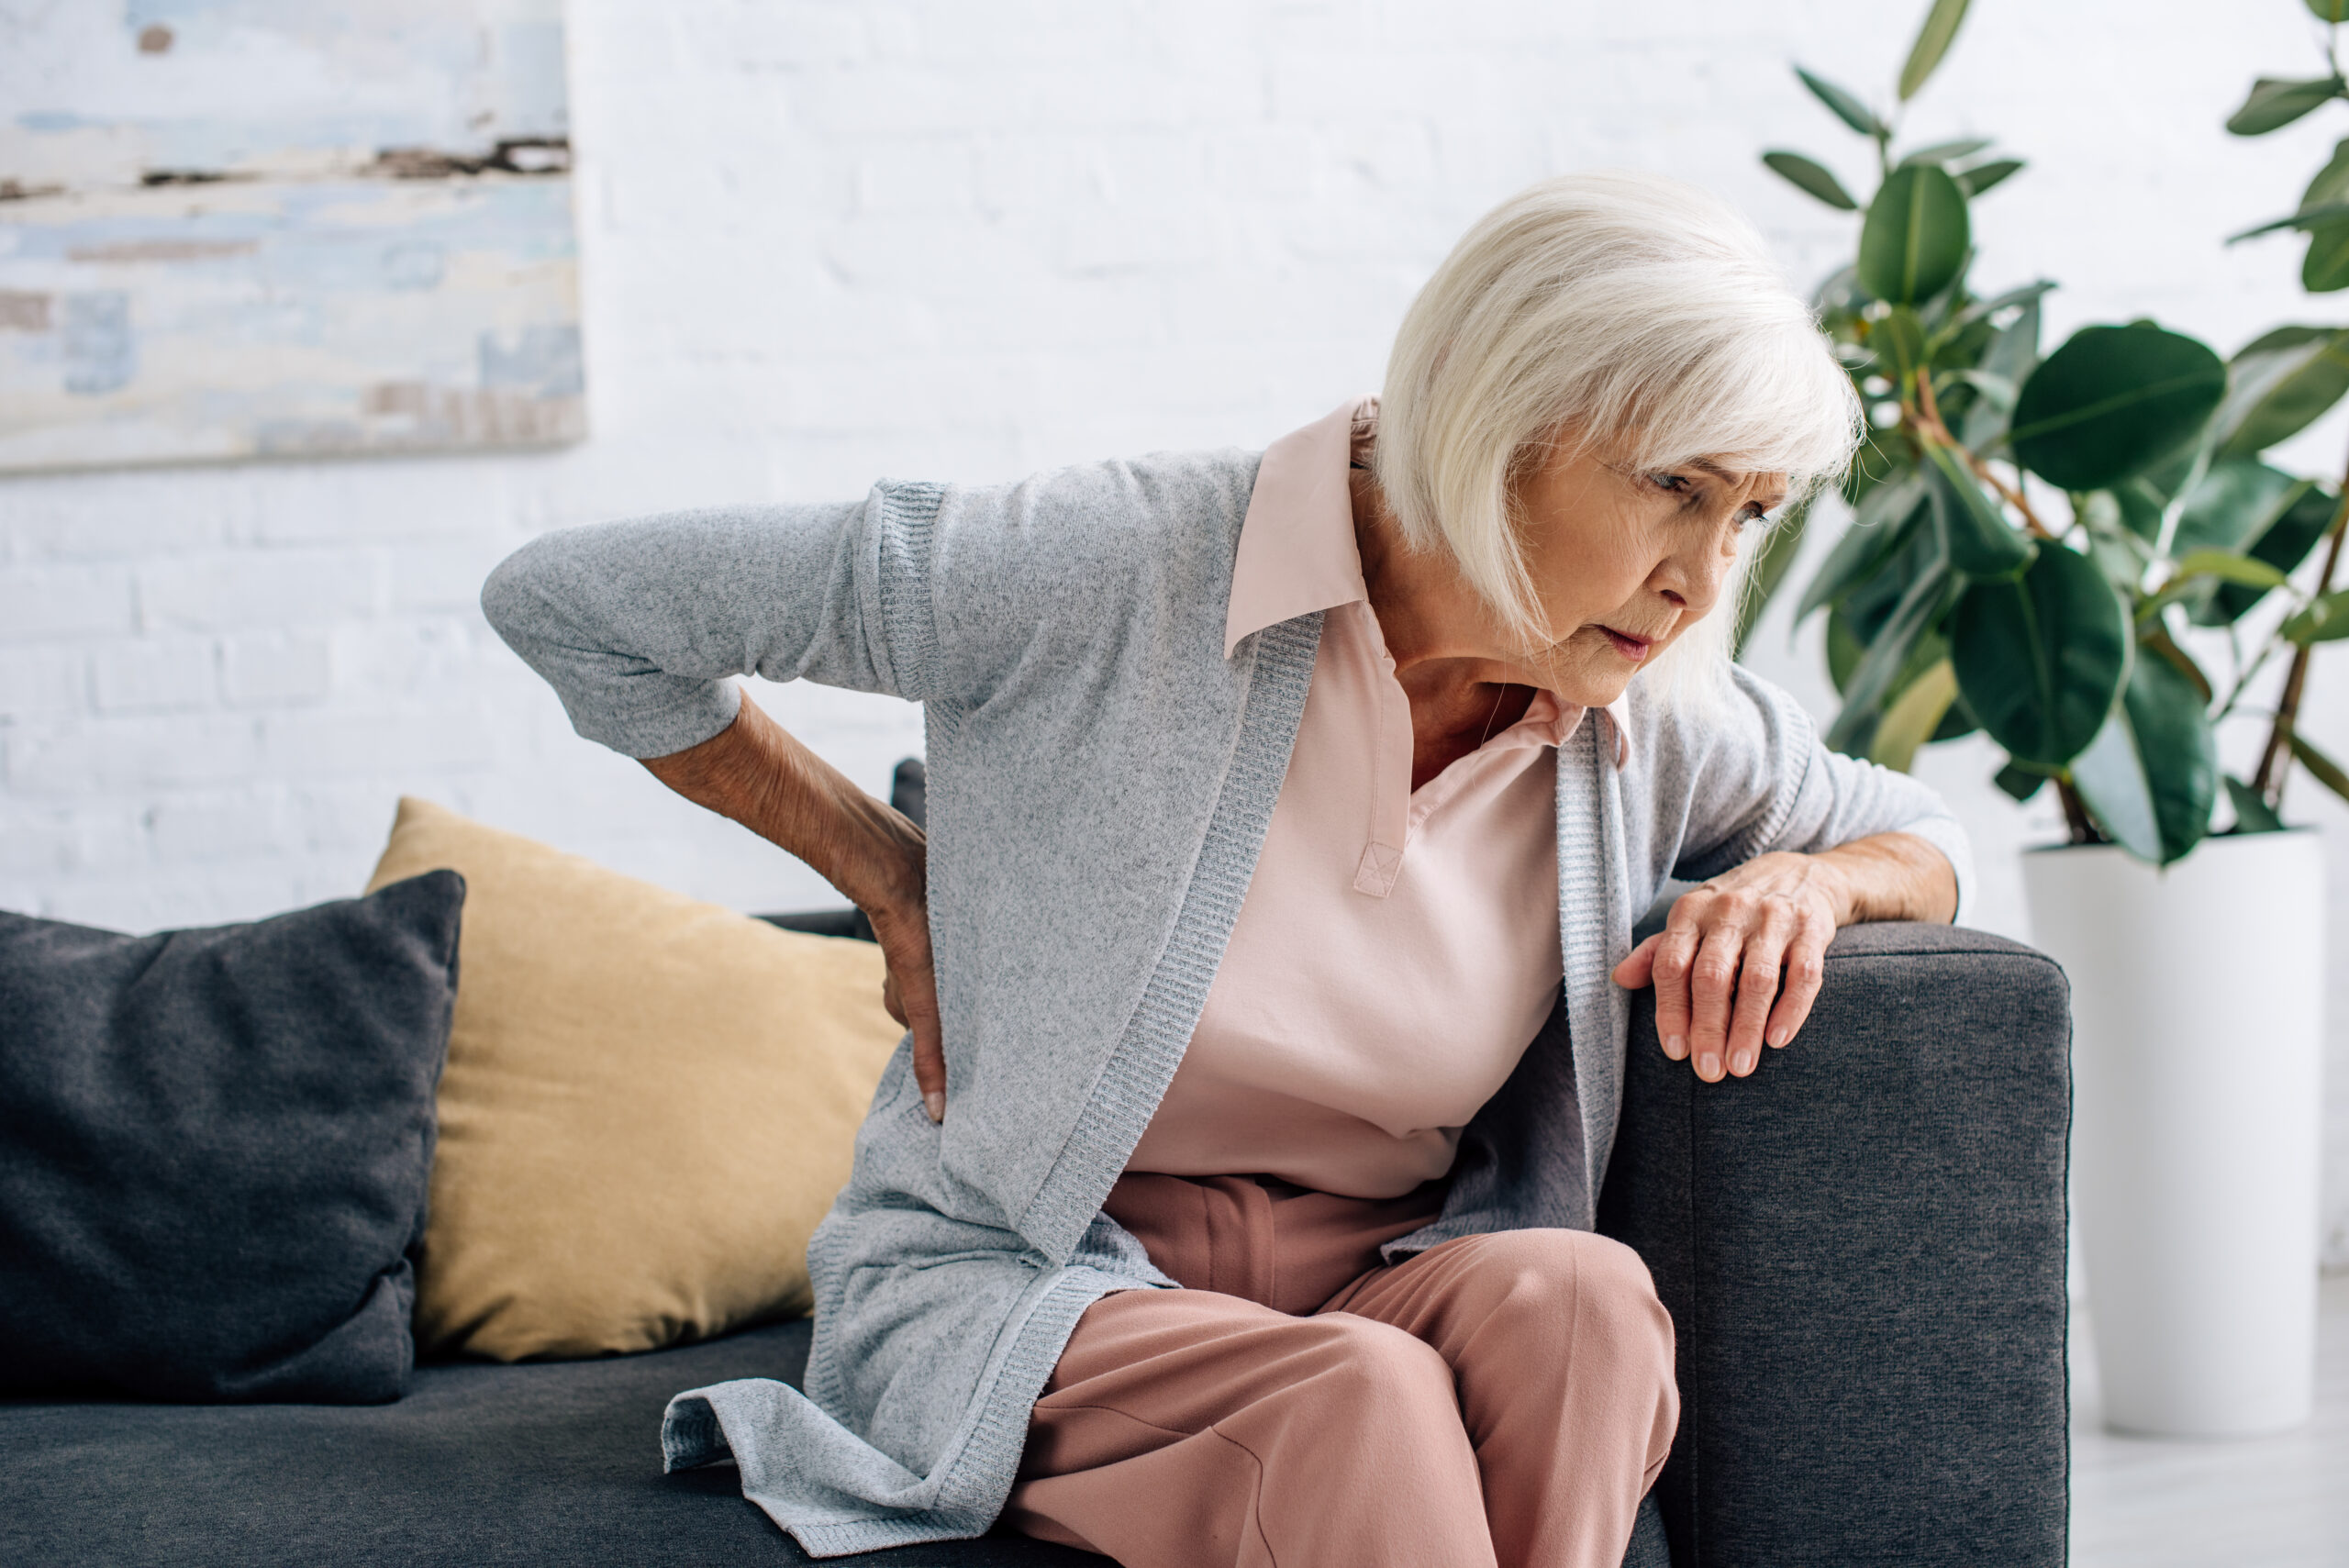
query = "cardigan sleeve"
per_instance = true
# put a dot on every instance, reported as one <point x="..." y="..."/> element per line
<point x="925" y="591"/>
<point x="639" y="626"/>
<point x="1762" y="781"/>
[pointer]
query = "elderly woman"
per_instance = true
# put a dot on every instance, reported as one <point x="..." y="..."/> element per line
<point x="1231" y="1197"/>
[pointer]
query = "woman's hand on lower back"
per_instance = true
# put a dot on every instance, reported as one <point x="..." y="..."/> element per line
<point x="910" y="992"/>
<point x="755" y="773"/>
<point x="1738" y="963"/>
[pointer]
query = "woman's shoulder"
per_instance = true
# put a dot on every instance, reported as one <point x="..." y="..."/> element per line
<point x="1699" y="756"/>
<point x="1159" y="501"/>
<point x="1090" y="555"/>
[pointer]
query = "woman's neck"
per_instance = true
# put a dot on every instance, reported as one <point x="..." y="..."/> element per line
<point x="1438" y="634"/>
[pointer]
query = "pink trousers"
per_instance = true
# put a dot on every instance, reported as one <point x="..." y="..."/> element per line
<point x="1500" y="1399"/>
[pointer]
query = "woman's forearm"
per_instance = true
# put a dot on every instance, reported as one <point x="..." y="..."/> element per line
<point x="1893" y="876"/>
<point x="758" y="773"/>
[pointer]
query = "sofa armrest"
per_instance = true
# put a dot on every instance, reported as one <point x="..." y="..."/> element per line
<point x="1863" y="1249"/>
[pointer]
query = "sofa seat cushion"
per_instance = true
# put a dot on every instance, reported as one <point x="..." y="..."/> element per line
<point x="540" y="1463"/>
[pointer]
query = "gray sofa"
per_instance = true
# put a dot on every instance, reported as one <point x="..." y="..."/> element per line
<point x="1862" y="1247"/>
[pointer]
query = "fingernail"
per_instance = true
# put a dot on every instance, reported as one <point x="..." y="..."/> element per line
<point x="1778" y="1035"/>
<point x="1674" y="1047"/>
<point x="1743" y="1063"/>
<point x="935" y="1104"/>
<point x="1708" y="1067"/>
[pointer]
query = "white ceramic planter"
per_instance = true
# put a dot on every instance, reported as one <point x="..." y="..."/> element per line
<point x="2196" y="1016"/>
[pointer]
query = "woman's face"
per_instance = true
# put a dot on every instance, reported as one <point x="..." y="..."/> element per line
<point x="1625" y="560"/>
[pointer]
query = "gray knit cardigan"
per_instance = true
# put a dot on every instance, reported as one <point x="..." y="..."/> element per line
<point x="1100" y="780"/>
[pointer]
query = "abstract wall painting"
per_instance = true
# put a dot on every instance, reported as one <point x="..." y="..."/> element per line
<point x="254" y="228"/>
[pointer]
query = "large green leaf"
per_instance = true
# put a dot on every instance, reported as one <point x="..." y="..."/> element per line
<point x="1899" y="342"/>
<point x="2230" y="568"/>
<point x="2329" y="186"/>
<point x="1933" y="43"/>
<point x="2333" y="11"/>
<point x="2306" y="219"/>
<point x="1979" y="539"/>
<point x="2278" y="385"/>
<point x="2107" y="773"/>
<point x="2040" y="658"/>
<point x="2152" y="776"/>
<point x="2325" y="268"/>
<point x="1811" y="175"/>
<point x="2112" y="401"/>
<point x="2327" y="772"/>
<point x="2141" y="506"/>
<point x="2028" y="294"/>
<point x="1885" y="520"/>
<point x="1844" y="650"/>
<point x="2285" y="543"/>
<point x="2252" y="813"/>
<point x="2169" y="721"/>
<point x="1946" y="152"/>
<point x="2326" y="620"/>
<point x="1982" y="176"/>
<point x="2114" y="549"/>
<point x="1889" y="657"/>
<point x="2324" y="213"/>
<point x="1914" y="716"/>
<point x="1846" y="105"/>
<point x="2018" y="782"/>
<point x="2276" y="103"/>
<point x="2173" y="475"/>
<point x="2233" y="501"/>
<point x="2012" y="356"/>
<point x="1914" y="241"/>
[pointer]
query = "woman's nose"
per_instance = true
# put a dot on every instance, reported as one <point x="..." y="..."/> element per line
<point x="1694" y="579"/>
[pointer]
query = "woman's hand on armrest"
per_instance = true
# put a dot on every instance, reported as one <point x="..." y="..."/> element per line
<point x="755" y="773"/>
<point x="1738" y="963"/>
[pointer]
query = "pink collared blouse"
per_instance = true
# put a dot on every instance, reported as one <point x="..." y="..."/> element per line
<point x="1397" y="948"/>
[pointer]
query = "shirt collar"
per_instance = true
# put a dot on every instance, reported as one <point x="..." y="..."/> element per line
<point x="1296" y="544"/>
<point x="1298" y="552"/>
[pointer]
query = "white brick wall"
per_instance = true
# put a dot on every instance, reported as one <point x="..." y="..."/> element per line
<point x="827" y="241"/>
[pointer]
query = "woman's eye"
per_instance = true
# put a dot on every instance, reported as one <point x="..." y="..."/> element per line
<point x="1676" y="483"/>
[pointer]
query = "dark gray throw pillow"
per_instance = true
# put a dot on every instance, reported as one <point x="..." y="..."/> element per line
<point x="214" y="1146"/>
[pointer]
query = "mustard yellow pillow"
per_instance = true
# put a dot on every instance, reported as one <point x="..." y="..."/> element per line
<point x="648" y="1103"/>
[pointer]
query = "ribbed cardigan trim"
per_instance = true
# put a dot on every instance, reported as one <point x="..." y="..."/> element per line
<point x="974" y="1480"/>
<point x="1584" y="906"/>
<point x="1135" y="1080"/>
<point x="908" y="513"/>
<point x="971" y="1483"/>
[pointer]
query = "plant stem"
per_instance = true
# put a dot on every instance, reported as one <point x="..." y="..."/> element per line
<point x="2243" y="678"/>
<point x="1927" y="416"/>
<point x="2012" y="494"/>
<point x="2274" y="763"/>
<point x="2075" y="815"/>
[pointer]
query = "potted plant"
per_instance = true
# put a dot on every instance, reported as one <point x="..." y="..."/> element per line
<point x="2083" y="556"/>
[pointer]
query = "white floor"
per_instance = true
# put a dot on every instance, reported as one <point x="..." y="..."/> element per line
<point x="2281" y="1502"/>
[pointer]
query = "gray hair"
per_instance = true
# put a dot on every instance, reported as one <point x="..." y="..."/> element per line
<point x="1618" y="310"/>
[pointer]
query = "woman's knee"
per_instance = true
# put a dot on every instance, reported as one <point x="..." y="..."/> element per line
<point x="1376" y="1372"/>
<point x="1543" y="1285"/>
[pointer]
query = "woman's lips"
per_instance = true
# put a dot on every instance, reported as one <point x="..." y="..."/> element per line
<point x="1633" y="648"/>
